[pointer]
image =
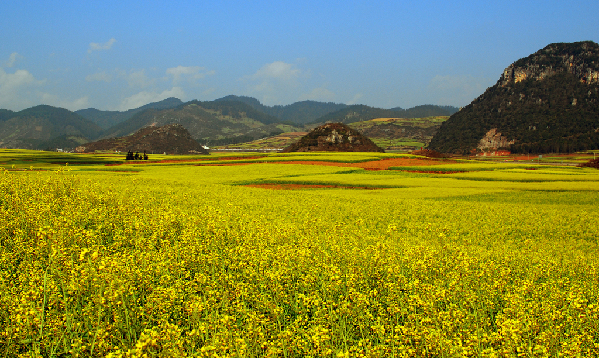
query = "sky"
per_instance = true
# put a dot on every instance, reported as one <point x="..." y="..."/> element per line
<point x="118" y="55"/>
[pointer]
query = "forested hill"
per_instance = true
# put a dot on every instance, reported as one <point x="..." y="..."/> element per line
<point x="205" y="121"/>
<point x="546" y="102"/>
<point x="427" y="110"/>
<point x="6" y="114"/>
<point x="34" y="127"/>
<point x="297" y="113"/>
<point x="304" y="112"/>
<point x="107" y="119"/>
<point x="358" y="113"/>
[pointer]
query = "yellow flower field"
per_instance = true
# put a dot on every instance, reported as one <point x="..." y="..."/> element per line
<point x="176" y="259"/>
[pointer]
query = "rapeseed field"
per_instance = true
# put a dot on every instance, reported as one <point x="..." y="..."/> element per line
<point x="177" y="259"/>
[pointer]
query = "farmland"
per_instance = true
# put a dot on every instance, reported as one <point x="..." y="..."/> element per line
<point x="296" y="255"/>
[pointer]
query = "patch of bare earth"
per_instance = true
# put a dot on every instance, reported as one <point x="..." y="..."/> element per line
<point x="382" y="164"/>
<point x="166" y="161"/>
<point x="278" y="186"/>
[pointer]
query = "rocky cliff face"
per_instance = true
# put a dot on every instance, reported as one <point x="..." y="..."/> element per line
<point x="580" y="60"/>
<point x="493" y="140"/>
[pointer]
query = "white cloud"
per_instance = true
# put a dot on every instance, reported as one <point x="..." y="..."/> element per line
<point x="13" y="59"/>
<point x="275" y="83"/>
<point x="139" y="79"/>
<point x="56" y="101"/>
<point x="319" y="94"/>
<point x="277" y="70"/>
<point x="100" y="76"/>
<point x="355" y="99"/>
<point x="16" y="89"/>
<point x="457" y="90"/>
<point x="145" y="97"/>
<point x="187" y="74"/>
<point x="94" y="46"/>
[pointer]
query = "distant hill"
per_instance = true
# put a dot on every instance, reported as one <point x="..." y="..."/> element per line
<point x="6" y="114"/>
<point x="546" y="102"/>
<point x="219" y="122"/>
<point x="170" y="139"/>
<point x="35" y="127"/>
<point x="404" y="134"/>
<point x="358" y="113"/>
<point x="427" y="110"/>
<point x="297" y="113"/>
<point x="107" y="119"/>
<point x="305" y="111"/>
<point x="311" y="112"/>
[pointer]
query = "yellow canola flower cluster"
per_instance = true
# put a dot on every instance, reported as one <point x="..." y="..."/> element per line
<point x="120" y="265"/>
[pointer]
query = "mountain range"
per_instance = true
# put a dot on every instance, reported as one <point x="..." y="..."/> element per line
<point x="231" y="119"/>
<point x="545" y="102"/>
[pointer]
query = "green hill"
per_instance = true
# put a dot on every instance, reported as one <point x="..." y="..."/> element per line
<point x="6" y="114"/>
<point x="546" y="102"/>
<point x="403" y="134"/>
<point x="358" y="113"/>
<point x="426" y="110"/>
<point x="219" y="122"/>
<point x="107" y="119"/>
<point x="310" y="112"/>
<point x="298" y="113"/>
<point x="32" y="128"/>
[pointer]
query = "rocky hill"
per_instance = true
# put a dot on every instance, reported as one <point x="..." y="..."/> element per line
<point x="170" y="139"/>
<point x="37" y="127"/>
<point x="546" y="102"/>
<point x="333" y="137"/>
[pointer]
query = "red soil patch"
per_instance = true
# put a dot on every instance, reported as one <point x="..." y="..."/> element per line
<point x="593" y="163"/>
<point x="184" y="160"/>
<point x="305" y="186"/>
<point x="222" y="164"/>
<point x="382" y="164"/>
<point x="428" y="153"/>
<point x="434" y="172"/>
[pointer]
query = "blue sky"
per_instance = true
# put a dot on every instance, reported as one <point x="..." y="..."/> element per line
<point x="116" y="55"/>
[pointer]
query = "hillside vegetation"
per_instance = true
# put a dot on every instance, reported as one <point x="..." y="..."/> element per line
<point x="107" y="119"/>
<point x="297" y="113"/>
<point x="207" y="122"/>
<point x="37" y="127"/>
